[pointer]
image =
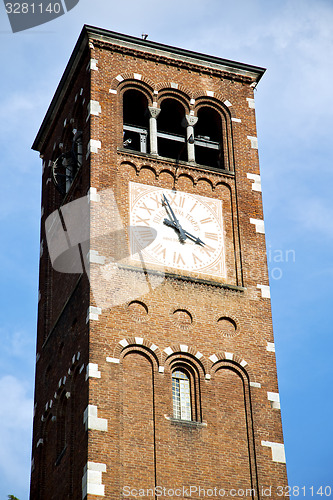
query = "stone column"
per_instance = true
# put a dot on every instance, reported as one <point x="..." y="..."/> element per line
<point x="153" y="114"/>
<point x="189" y="122"/>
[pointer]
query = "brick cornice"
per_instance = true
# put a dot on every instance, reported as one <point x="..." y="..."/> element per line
<point x="170" y="61"/>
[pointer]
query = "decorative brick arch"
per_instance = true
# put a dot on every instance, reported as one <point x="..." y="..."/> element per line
<point x="227" y="114"/>
<point x="155" y="167"/>
<point x="193" y="176"/>
<point x="150" y="168"/>
<point x="131" y="343"/>
<point x="241" y="368"/>
<point x="186" y="175"/>
<point x="230" y="359"/>
<point x="173" y="86"/>
<point x="187" y="358"/>
<point x="187" y="352"/>
<point x="164" y="170"/>
<point x="136" y="79"/>
<point x="176" y="94"/>
<point x="206" y="180"/>
<point x="130" y="164"/>
<point x="225" y="184"/>
<point x="214" y="99"/>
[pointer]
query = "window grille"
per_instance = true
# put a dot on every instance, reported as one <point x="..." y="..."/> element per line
<point x="181" y="395"/>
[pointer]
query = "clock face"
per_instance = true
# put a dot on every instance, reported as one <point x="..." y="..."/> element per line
<point x="189" y="230"/>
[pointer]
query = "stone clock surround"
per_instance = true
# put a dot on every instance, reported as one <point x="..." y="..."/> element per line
<point x="202" y="216"/>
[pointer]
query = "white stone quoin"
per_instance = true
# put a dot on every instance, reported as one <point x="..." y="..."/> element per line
<point x="92" y="479"/>
<point x="93" y="147"/>
<point x="278" y="454"/>
<point x="92" y="421"/>
<point x="94" y="258"/>
<point x="93" y="195"/>
<point x="260" y="226"/>
<point x="94" y="108"/>
<point x="92" y="371"/>
<point x="251" y="102"/>
<point x="92" y="65"/>
<point x="274" y="398"/>
<point x="254" y="141"/>
<point x="270" y="347"/>
<point x="93" y="313"/>
<point x="256" y="185"/>
<point x="265" y="291"/>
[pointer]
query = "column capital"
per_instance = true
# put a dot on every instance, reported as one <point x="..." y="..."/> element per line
<point x="153" y="112"/>
<point x="189" y="121"/>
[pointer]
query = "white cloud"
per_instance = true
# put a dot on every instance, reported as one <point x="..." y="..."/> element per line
<point x="314" y="215"/>
<point x="17" y="110"/>
<point x="15" y="104"/>
<point x="294" y="40"/>
<point x="15" y="432"/>
<point x="18" y="344"/>
<point x="17" y="356"/>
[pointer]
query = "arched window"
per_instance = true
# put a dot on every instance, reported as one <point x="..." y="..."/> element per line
<point x="62" y="427"/>
<point x="208" y="138"/>
<point x="181" y="395"/>
<point x="170" y="130"/>
<point x="135" y="121"/>
<point x="68" y="160"/>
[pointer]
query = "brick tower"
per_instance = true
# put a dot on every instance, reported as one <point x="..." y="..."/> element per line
<point x="155" y="372"/>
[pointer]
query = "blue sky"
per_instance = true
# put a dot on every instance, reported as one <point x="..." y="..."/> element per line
<point x="293" y="39"/>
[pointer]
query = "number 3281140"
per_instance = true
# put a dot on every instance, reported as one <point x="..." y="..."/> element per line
<point x="33" y="8"/>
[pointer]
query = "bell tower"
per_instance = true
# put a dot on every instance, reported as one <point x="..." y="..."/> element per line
<point x="155" y="368"/>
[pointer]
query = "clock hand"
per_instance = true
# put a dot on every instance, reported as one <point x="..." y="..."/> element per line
<point x="196" y="239"/>
<point x="173" y="218"/>
<point x="167" y="206"/>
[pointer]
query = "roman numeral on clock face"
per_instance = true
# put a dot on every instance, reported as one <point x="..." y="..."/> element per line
<point x="181" y="202"/>
<point x="206" y="221"/>
<point x="149" y="210"/>
<point x="209" y="250"/>
<point x="177" y="200"/>
<point x="211" y="236"/>
<point x="178" y="259"/>
<point x="141" y="220"/>
<point x="195" y="204"/>
<point x="159" y="250"/>
<point x="157" y="200"/>
<point x="196" y="259"/>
